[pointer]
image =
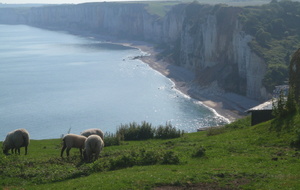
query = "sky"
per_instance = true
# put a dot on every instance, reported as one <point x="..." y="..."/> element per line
<point x="48" y="1"/>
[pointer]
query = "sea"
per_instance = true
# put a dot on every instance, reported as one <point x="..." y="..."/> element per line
<point x="53" y="83"/>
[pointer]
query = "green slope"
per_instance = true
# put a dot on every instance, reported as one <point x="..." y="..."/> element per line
<point x="237" y="156"/>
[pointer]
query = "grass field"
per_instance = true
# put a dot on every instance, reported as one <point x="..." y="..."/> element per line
<point x="236" y="156"/>
<point x="160" y="8"/>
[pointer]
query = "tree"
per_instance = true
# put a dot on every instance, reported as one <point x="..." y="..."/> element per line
<point x="275" y="75"/>
<point x="262" y="36"/>
<point x="294" y="79"/>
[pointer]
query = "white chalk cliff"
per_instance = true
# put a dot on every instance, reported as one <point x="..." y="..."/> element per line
<point x="206" y="39"/>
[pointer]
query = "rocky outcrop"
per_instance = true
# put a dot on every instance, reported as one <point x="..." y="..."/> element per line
<point x="206" y="39"/>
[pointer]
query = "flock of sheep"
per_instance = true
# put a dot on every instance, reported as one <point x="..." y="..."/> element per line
<point x="90" y="141"/>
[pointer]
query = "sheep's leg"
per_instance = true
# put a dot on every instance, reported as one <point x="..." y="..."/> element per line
<point x="12" y="151"/>
<point x="96" y="156"/>
<point x="87" y="155"/>
<point x="80" y="152"/>
<point x="84" y="155"/>
<point x="62" y="150"/>
<point x="18" y="149"/>
<point x="68" y="151"/>
<point x="25" y="150"/>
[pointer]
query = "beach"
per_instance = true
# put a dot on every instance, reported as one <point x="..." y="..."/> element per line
<point x="229" y="105"/>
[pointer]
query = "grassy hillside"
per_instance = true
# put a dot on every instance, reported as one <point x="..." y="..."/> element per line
<point x="236" y="156"/>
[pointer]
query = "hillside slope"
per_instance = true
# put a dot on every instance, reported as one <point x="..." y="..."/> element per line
<point x="236" y="156"/>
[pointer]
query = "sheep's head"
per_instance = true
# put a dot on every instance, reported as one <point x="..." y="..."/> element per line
<point x="5" y="148"/>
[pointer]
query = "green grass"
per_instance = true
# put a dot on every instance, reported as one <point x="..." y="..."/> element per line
<point x="239" y="156"/>
<point x="160" y="8"/>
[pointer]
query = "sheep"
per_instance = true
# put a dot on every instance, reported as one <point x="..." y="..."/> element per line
<point x="15" y="140"/>
<point x="93" y="145"/>
<point x="89" y="132"/>
<point x="72" y="141"/>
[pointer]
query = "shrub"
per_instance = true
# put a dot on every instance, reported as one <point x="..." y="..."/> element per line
<point x="149" y="157"/>
<point x="111" y="139"/>
<point x="295" y="143"/>
<point x="284" y="106"/>
<point x="143" y="157"/>
<point x="167" y="131"/>
<point x="128" y="132"/>
<point x="200" y="152"/>
<point x="123" y="161"/>
<point x="145" y="131"/>
<point x="170" y="157"/>
<point x="133" y="131"/>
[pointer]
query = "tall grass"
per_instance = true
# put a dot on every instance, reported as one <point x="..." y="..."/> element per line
<point x="111" y="139"/>
<point x="134" y="131"/>
<point x="167" y="132"/>
<point x="144" y="131"/>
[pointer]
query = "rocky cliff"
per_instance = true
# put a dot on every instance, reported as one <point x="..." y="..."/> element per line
<point x="213" y="44"/>
<point x="206" y="39"/>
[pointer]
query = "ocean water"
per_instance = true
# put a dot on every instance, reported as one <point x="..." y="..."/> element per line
<point x="54" y="82"/>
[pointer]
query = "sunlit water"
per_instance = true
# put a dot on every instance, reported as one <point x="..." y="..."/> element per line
<point x="53" y="82"/>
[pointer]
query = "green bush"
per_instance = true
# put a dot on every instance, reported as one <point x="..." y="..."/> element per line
<point x="276" y="74"/>
<point x="143" y="157"/>
<point x="167" y="132"/>
<point x="123" y="161"/>
<point x="146" y="131"/>
<point x="111" y="139"/>
<point x="170" y="157"/>
<point x="295" y="143"/>
<point x="149" y="157"/>
<point x="200" y="152"/>
<point x="134" y="131"/>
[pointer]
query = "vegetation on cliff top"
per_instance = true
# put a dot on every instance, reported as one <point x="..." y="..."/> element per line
<point x="160" y="8"/>
<point x="276" y="28"/>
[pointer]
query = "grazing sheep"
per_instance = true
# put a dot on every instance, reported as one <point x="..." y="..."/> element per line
<point x="93" y="146"/>
<point x="72" y="141"/>
<point x="89" y="132"/>
<point x="15" y="140"/>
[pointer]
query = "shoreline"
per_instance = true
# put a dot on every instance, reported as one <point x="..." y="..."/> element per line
<point x="231" y="106"/>
<point x="228" y="105"/>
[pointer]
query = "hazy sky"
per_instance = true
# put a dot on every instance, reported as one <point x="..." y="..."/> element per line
<point x="48" y="1"/>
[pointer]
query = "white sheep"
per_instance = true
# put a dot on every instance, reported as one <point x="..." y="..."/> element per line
<point x="93" y="146"/>
<point x="15" y="140"/>
<point x="89" y="132"/>
<point x="72" y="141"/>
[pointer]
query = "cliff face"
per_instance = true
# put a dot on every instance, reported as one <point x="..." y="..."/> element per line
<point x="206" y="39"/>
<point x="122" y="20"/>
<point x="213" y="44"/>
